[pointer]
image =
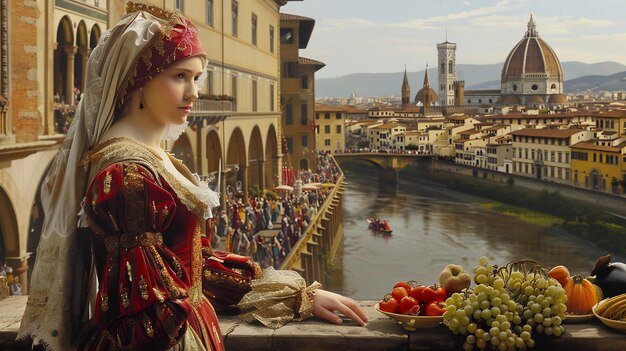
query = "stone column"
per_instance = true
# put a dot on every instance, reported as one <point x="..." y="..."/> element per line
<point x="70" y="50"/>
<point x="84" y="54"/>
<point x="261" y="175"/>
<point x="244" y="169"/>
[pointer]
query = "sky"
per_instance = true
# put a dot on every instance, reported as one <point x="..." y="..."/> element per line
<point x="357" y="36"/>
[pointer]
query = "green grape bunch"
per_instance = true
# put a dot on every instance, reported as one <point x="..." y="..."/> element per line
<point x="507" y="307"/>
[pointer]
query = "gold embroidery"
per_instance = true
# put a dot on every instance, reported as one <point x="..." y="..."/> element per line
<point x="174" y="290"/>
<point x="124" y="297"/>
<point x="104" y="302"/>
<point x="129" y="271"/>
<point x="123" y="149"/>
<point x="195" y="294"/>
<point x="178" y="269"/>
<point x="143" y="287"/>
<point x="158" y="294"/>
<point x="154" y="214"/>
<point x="217" y="335"/>
<point x="165" y="211"/>
<point x="196" y="254"/>
<point x="147" y="325"/>
<point x="107" y="183"/>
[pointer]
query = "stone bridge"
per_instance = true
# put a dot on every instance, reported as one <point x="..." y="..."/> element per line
<point x="388" y="164"/>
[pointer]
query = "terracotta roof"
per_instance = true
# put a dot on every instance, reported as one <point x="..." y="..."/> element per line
<point x="458" y="118"/>
<point x="590" y="145"/>
<point x="483" y="92"/>
<point x="368" y="123"/>
<point x="469" y="132"/>
<point x="546" y="133"/>
<point x="611" y="113"/>
<point x="388" y="126"/>
<point x="327" y="108"/>
<point x="311" y="62"/>
<point x="290" y="17"/>
<point x="497" y="127"/>
<point x="352" y="109"/>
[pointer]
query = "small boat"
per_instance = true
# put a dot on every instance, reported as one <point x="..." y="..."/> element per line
<point x="380" y="225"/>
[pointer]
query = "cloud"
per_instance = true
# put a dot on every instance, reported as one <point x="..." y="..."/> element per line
<point x="346" y="23"/>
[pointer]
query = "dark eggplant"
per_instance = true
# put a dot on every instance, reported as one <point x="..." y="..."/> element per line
<point x="610" y="276"/>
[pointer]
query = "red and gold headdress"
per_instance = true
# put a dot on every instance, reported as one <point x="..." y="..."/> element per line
<point x="176" y="40"/>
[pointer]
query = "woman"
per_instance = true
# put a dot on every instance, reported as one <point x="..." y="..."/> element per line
<point x="122" y="263"/>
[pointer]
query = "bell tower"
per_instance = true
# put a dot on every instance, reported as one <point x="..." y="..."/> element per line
<point x="446" y="53"/>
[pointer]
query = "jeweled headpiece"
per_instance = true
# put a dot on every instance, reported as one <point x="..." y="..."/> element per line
<point x="176" y="40"/>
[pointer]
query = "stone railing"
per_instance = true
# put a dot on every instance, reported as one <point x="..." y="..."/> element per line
<point x="203" y="107"/>
<point x="380" y="333"/>
<point x="318" y="245"/>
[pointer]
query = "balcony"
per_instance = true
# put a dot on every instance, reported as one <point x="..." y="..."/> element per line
<point x="210" y="111"/>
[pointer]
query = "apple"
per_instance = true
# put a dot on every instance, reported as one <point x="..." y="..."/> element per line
<point x="454" y="278"/>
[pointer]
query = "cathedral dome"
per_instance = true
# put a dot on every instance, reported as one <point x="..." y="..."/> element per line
<point x="426" y="94"/>
<point x="532" y="57"/>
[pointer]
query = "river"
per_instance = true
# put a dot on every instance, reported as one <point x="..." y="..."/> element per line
<point x="432" y="227"/>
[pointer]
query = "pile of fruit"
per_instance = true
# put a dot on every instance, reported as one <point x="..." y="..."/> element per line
<point x="409" y="298"/>
<point x="507" y="307"/>
<point x="613" y="308"/>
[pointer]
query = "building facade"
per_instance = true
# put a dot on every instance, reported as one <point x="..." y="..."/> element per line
<point x="330" y="128"/>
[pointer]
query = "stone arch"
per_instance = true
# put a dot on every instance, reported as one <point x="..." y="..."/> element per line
<point x="256" y="158"/>
<point x="64" y="43"/>
<point x="182" y="150"/>
<point x="94" y="36"/>
<point x="236" y="161"/>
<point x="9" y="234"/>
<point x="213" y="151"/>
<point x="271" y="158"/>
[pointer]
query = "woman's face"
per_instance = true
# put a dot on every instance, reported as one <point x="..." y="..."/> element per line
<point x="169" y="96"/>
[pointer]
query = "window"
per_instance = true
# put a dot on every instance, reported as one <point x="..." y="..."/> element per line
<point x="327" y="129"/>
<point x="254" y="96"/>
<point x="326" y="142"/>
<point x="534" y="87"/>
<point x="339" y="129"/>
<point x="235" y="18"/>
<point x="254" y="22"/>
<point x="560" y="157"/>
<point x="286" y="35"/>
<point x="271" y="38"/>
<point x="233" y="90"/>
<point x="552" y="156"/>
<point x="450" y="67"/>
<point x="327" y="115"/>
<point x="208" y="16"/>
<point x="566" y="157"/>
<point x="304" y="81"/>
<point x="305" y="141"/>
<point x="179" y="5"/>
<point x="338" y="115"/>
<point x="290" y="69"/>
<point x="272" y="97"/>
<point x="304" y="114"/>
<point x="289" y="114"/>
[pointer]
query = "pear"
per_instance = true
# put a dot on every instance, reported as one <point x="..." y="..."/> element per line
<point x="454" y="278"/>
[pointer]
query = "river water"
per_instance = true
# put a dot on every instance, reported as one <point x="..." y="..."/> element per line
<point x="433" y="227"/>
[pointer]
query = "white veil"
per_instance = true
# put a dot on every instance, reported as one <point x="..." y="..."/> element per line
<point x="59" y="284"/>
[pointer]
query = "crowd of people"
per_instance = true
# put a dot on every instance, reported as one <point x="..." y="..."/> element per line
<point x="242" y="227"/>
<point x="12" y="281"/>
<point x="383" y="151"/>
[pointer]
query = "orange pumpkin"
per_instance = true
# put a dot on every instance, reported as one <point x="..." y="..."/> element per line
<point x="581" y="295"/>
<point x="560" y="273"/>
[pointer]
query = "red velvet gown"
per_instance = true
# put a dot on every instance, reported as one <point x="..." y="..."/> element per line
<point x="146" y="237"/>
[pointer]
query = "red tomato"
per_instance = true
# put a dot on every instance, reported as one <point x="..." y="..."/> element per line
<point x="406" y="304"/>
<point x="428" y="295"/>
<point x="416" y="293"/>
<point x="440" y="295"/>
<point x="398" y="293"/>
<point x="434" y="309"/>
<point x="414" y="311"/>
<point x="405" y="285"/>
<point x="388" y="304"/>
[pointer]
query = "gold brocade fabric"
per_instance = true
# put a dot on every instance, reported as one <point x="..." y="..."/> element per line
<point x="277" y="298"/>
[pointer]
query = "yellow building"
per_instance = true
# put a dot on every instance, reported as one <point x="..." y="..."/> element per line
<point x="611" y="120"/>
<point x="599" y="163"/>
<point x="297" y="90"/>
<point x="44" y="54"/>
<point x="330" y="125"/>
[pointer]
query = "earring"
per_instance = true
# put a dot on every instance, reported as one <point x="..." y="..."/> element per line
<point x="141" y="107"/>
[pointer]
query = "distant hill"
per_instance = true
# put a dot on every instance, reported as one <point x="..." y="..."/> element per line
<point x="475" y="76"/>
<point x="613" y="82"/>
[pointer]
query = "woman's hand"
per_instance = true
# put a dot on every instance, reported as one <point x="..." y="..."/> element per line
<point x="325" y="303"/>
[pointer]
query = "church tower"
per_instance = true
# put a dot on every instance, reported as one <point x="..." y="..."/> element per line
<point x="447" y="72"/>
<point x="406" y="90"/>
